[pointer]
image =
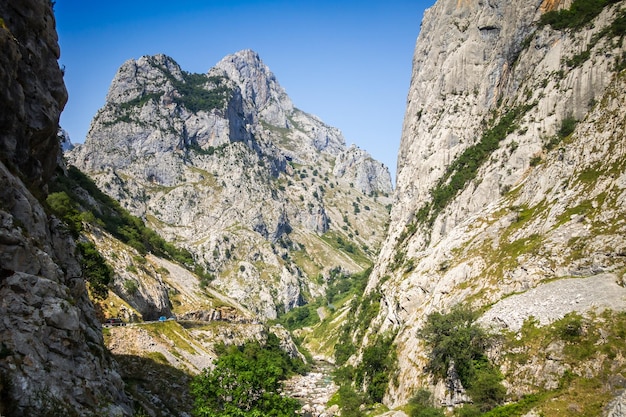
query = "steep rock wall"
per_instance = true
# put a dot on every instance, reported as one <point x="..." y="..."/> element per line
<point x="52" y="355"/>
<point x="544" y="203"/>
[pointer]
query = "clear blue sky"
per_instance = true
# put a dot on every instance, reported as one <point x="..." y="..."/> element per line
<point x="345" y="61"/>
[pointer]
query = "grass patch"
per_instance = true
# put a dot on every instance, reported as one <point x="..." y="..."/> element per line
<point x="580" y="14"/>
<point x="347" y="246"/>
<point x="173" y="332"/>
<point x="597" y="338"/>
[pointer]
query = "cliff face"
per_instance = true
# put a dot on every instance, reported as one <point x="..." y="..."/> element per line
<point x="52" y="355"/>
<point x="264" y="195"/>
<point x="510" y="173"/>
<point x="34" y="93"/>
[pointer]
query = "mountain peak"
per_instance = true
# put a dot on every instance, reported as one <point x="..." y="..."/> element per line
<point x="258" y="85"/>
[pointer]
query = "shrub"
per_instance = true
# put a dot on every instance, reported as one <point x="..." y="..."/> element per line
<point x="65" y="208"/>
<point x="465" y="167"/>
<point x="130" y="286"/>
<point x="453" y="339"/>
<point x="95" y="270"/>
<point x="245" y="381"/>
<point x="535" y="160"/>
<point x="580" y="13"/>
<point x="377" y="363"/>
<point x="567" y="127"/>
<point x="421" y="405"/>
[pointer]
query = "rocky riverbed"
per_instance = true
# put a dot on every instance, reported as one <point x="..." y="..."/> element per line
<point x="314" y="390"/>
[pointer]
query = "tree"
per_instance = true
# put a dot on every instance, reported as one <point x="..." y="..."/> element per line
<point x="244" y="382"/>
<point x="95" y="270"/>
<point x="454" y="338"/>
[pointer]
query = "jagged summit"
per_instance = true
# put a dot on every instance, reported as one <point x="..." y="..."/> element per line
<point x="224" y="164"/>
<point x="258" y="86"/>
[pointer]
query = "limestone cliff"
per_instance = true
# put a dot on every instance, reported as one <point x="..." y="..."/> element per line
<point x="510" y="172"/>
<point x="52" y="356"/>
<point x="265" y="196"/>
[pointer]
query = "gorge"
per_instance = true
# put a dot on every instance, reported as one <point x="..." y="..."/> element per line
<point x="208" y="213"/>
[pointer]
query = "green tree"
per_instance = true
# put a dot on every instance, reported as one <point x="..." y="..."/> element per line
<point x="95" y="270"/>
<point x="454" y="338"/>
<point x="62" y="205"/>
<point x="245" y="382"/>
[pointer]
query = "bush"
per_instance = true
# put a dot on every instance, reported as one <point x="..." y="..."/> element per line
<point x="130" y="286"/>
<point x="421" y="405"/>
<point x="567" y="127"/>
<point x="577" y="16"/>
<point x="62" y="206"/>
<point x="377" y="363"/>
<point x="198" y="92"/>
<point x="349" y="401"/>
<point x="245" y="382"/>
<point x="453" y="339"/>
<point x="95" y="270"/>
<point x="465" y="167"/>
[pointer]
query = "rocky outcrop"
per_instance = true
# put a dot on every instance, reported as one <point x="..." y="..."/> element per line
<point x="64" y="140"/>
<point x="223" y="164"/>
<point x="52" y="355"/>
<point x="33" y="91"/>
<point x="510" y="171"/>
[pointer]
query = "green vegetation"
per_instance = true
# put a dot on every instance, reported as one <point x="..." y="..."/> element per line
<point x="597" y="339"/>
<point x="208" y="151"/>
<point x="66" y="202"/>
<point x="581" y="13"/>
<point x="364" y="309"/>
<point x="454" y="340"/>
<point x="340" y="286"/>
<point x="377" y="364"/>
<point x="130" y="286"/>
<point x="196" y="96"/>
<point x="245" y="382"/>
<point x="465" y="167"/>
<point x="422" y="405"/>
<point x="109" y="215"/>
<point x="95" y="269"/>
<point x="367" y="382"/>
<point x="140" y="101"/>
<point x="339" y="242"/>
<point x="64" y="207"/>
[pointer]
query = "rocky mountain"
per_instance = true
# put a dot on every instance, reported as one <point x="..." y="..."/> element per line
<point x="510" y="194"/>
<point x="64" y="140"/>
<point x="266" y="197"/>
<point x="52" y="355"/>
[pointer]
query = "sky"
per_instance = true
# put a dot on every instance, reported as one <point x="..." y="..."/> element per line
<point x="346" y="61"/>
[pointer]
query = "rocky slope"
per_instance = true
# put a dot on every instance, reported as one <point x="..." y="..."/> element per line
<point x="264" y="195"/>
<point x="510" y="174"/>
<point x="52" y="356"/>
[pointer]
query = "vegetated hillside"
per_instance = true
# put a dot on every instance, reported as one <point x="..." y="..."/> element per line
<point x="169" y="323"/>
<point x="267" y="198"/>
<point x="510" y="206"/>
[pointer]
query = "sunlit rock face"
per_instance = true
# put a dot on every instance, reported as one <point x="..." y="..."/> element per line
<point x="224" y="165"/>
<point x="510" y="171"/>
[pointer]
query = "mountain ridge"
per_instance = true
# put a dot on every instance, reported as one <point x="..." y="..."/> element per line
<point x="224" y="165"/>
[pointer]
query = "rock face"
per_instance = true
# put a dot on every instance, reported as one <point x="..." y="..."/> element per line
<point x="52" y="355"/>
<point x="511" y="167"/>
<point x="223" y="164"/>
